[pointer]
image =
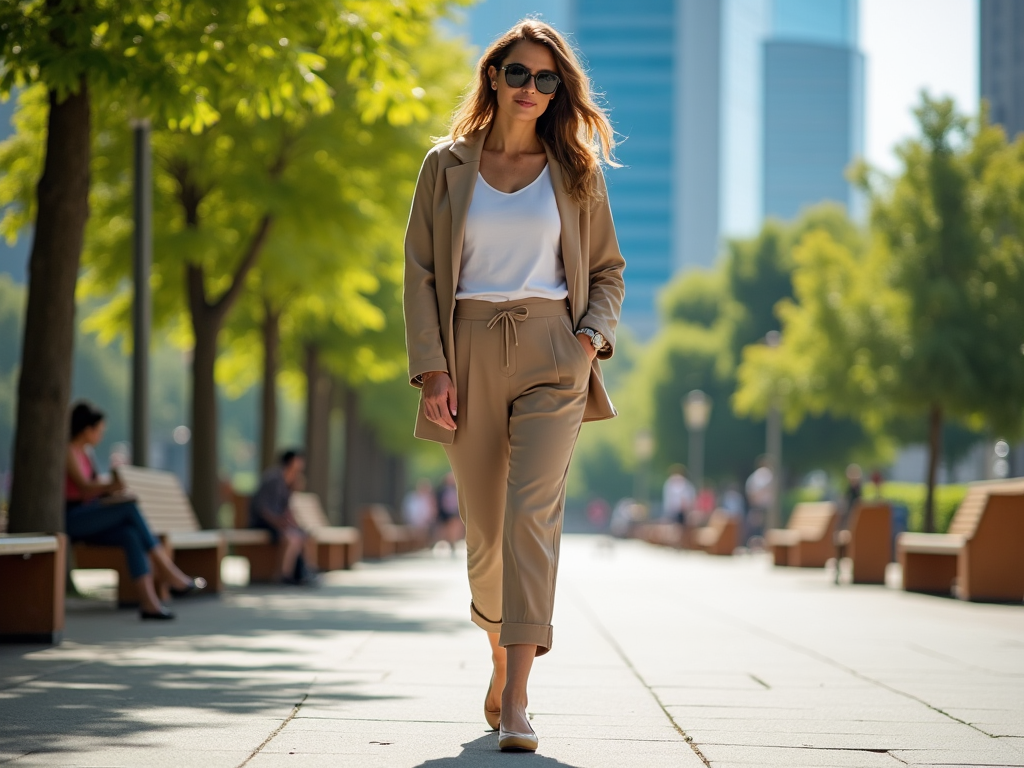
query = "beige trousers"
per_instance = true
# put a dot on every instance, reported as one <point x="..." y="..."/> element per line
<point x="522" y="383"/>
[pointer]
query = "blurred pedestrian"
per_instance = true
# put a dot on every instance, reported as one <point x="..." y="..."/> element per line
<point x="419" y="508"/>
<point x="876" y="481"/>
<point x="704" y="505"/>
<point x="449" y="523"/>
<point x="732" y="502"/>
<point x="512" y="263"/>
<point x="854" y="491"/>
<point x="678" y="495"/>
<point x="760" y="489"/>
<point x="598" y="512"/>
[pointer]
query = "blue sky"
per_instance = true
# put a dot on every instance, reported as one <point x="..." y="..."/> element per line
<point x="910" y="45"/>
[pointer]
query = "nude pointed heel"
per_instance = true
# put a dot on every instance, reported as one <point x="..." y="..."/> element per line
<point x="492" y="716"/>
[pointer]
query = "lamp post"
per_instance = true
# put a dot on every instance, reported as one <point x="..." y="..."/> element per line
<point x="142" y="241"/>
<point x="773" y="440"/>
<point x="643" y="449"/>
<point x="696" y="414"/>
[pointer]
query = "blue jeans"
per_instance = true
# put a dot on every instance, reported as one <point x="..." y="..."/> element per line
<point x="113" y="525"/>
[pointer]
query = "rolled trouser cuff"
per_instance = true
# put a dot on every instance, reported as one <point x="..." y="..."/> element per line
<point x="526" y="634"/>
<point x="482" y="621"/>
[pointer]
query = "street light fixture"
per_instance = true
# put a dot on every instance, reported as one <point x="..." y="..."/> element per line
<point x="696" y="415"/>
<point x="643" y="449"/>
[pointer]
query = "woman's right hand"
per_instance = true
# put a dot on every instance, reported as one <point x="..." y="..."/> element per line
<point x="440" y="404"/>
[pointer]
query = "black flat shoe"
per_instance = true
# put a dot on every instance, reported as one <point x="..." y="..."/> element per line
<point x="163" y="615"/>
<point x="198" y="583"/>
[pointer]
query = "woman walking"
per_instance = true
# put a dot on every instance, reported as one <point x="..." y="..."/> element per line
<point x="513" y="287"/>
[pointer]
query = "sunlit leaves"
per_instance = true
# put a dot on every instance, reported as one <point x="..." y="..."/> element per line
<point x="931" y="311"/>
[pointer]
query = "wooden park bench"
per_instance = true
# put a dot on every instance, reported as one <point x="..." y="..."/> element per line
<point x="808" y="540"/>
<point x="337" y="547"/>
<point x="867" y="542"/>
<point x="382" y="537"/>
<point x="664" y="533"/>
<point x="329" y="548"/>
<point x="720" y="536"/>
<point x="257" y="546"/>
<point x="168" y="511"/>
<point x="33" y="572"/>
<point x="982" y="553"/>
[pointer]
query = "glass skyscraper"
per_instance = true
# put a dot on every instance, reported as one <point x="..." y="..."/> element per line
<point x="1002" y="62"/>
<point x="813" y="105"/>
<point x="630" y="58"/>
<point x="727" y="111"/>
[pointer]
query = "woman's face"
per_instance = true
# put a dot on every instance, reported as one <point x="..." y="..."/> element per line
<point x="94" y="434"/>
<point x="525" y="102"/>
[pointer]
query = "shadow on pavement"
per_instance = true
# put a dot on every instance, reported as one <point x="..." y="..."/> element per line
<point x="484" y="752"/>
<point x="220" y="659"/>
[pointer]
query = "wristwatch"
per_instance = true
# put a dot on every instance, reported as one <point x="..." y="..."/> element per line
<point x="596" y="337"/>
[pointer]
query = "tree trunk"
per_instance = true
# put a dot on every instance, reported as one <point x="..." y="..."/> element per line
<point x="206" y="500"/>
<point x="44" y="385"/>
<point x="934" y="456"/>
<point x="207" y="320"/>
<point x="372" y="475"/>
<point x="319" y="395"/>
<point x="268" y="408"/>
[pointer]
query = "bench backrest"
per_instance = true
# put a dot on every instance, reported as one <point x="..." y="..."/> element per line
<point x="812" y="519"/>
<point x="309" y="513"/>
<point x="161" y="498"/>
<point x="379" y="514"/>
<point x="968" y="515"/>
<point x="719" y="520"/>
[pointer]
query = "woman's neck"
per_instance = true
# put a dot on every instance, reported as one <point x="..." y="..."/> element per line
<point x="513" y="137"/>
<point x="79" y="445"/>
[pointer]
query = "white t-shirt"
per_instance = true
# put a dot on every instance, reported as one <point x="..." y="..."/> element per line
<point x="759" y="488"/>
<point x="677" y="495"/>
<point x="513" y="244"/>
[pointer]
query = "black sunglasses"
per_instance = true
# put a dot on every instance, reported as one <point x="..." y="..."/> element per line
<point x="516" y="76"/>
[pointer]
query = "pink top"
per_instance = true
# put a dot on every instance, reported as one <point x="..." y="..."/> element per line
<point x="71" y="491"/>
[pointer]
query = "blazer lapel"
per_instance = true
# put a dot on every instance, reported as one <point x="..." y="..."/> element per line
<point x="461" y="180"/>
<point x="569" y="212"/>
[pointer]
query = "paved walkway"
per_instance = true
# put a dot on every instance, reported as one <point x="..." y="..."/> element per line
<point x="661" y="659"/>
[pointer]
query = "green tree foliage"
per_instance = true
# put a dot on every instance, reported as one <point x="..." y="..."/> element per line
<point x="273" y="144"/>
<point x="709" y="317"/>
<point x="927" y="320"/>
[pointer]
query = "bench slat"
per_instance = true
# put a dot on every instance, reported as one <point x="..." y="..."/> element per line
<point x="246" y="536"/>
<point x="194" y="539"/>
<point x="334" y="535"/>
<point x="930" y="543"/>
<point x="27" y="544"/>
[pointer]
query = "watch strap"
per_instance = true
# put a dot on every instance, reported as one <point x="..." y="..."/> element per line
<point x="590" y="332"/>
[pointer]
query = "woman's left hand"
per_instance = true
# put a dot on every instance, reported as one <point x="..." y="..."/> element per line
<point x="584" y="340"/>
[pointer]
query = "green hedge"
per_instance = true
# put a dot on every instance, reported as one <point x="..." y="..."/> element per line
<point x="947" y="499"/>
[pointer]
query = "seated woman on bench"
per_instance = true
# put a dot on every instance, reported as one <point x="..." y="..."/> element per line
<point x="101" y="513"/>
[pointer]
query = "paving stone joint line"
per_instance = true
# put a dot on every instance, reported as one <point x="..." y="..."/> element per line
<point x="276" y="731"/>
<point x="602" y="630"/>
<point x="793" y="645"/>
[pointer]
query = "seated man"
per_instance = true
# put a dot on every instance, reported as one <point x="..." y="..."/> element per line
<point x="270" y="510"/>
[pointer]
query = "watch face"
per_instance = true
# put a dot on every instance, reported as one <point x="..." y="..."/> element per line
<point x="598" y="341"/>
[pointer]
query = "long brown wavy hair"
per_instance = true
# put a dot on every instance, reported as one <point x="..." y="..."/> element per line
<point x="574" y="126"/>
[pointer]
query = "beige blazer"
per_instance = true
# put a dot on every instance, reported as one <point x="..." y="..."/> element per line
<point x="433" y="255"/>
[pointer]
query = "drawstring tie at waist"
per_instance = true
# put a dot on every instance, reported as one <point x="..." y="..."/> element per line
<point x="508" y="319"/>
